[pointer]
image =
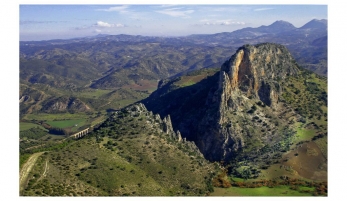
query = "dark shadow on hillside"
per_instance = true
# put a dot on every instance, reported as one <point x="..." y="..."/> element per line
<point x="185" y="105"/>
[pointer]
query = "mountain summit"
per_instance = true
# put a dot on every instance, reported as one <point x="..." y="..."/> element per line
<point x="316" y="24"/>
<point x="274" y="28"/>
<point x="250" y="77"/>
<point x="281" y="26"/>
<point x="244" y="111"/>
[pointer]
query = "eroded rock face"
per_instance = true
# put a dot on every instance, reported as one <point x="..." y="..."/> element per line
<point x="237" y="112"/>
<point x="251" y="75"/>
<point x="255" y="70"/>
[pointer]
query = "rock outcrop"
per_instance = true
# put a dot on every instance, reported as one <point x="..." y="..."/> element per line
<point x="238" y="113"/>
<point x="162" y="126"/>
<point x="250" y="76"/>
<point x="254" y="71"/>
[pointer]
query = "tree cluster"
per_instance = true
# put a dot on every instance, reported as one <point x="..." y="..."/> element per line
<point x="58" y="131"/>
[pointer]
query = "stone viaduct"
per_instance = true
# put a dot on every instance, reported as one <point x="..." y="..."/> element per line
<point x="81" y="133"/>
<point x="85" y="131"/>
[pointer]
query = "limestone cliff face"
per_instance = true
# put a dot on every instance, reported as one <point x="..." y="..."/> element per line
<point x="250" y="76"/>
<point x="238" y="111"/>
<point x="254" y="71"/>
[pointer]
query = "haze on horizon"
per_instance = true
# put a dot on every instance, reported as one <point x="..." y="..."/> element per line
<point x="46" y="22"/>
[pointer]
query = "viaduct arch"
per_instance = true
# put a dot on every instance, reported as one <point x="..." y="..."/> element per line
<point x="81" y="133"/>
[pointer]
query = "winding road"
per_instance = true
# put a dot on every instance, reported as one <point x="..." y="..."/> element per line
<point x="24" y="172"/>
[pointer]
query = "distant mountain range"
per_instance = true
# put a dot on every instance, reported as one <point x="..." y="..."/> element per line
<point x="134" y="62"/>
<point x="297" y="40"/>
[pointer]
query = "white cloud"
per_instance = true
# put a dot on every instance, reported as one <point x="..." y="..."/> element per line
<point x="262" y="9"/>
<point x="120" y="25"/>
<point x="121" y="9"/>
<point x="227" y="22"/>
<point x="233" y="23"/>
<point x="176" y="12"/>
<point x="103" y="24"/>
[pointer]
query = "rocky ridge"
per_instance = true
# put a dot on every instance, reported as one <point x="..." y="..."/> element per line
<point x="159" y="125"/>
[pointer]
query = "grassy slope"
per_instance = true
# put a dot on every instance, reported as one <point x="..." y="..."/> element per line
<point x="194" y="77"/>
<point x="260" y="191"/>
<point x="26" y="126"/>
<point x="126" y="156"/>
<point x="66" y="123"/>
<point x="311" y="103"/>
<point x="307" y="157"/>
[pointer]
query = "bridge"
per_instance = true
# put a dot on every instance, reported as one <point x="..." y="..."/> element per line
<point x="85" y="131"/>
<point x="80" y="134"/>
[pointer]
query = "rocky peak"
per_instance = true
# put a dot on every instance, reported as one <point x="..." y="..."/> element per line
<point x="235" y="112"/>
<point x="167" y="125"/>
<point x="254" y="71"/>
<point x="252" y="76"/>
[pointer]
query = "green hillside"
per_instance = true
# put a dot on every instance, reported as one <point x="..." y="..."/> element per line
<point x="126" y="155"/>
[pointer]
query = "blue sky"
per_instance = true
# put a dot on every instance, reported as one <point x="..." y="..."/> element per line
<point x="44" y="22"/>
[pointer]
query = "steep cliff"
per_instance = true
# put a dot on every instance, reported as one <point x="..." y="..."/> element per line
<point x="248" y="110"/>
<point x="249" y="88"/>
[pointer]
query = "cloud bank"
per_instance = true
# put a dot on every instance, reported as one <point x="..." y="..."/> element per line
<point x="102" y="24"/>
<point x="226" y="22"/>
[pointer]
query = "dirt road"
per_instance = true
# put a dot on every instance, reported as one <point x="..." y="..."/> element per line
<point x="24" y="172"/>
